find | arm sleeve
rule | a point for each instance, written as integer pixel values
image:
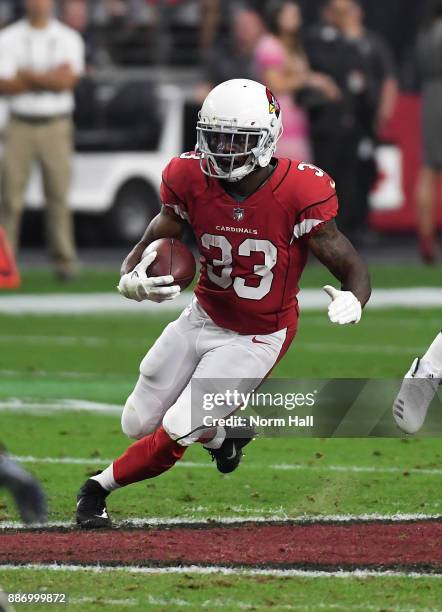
(171, 192)
(320, 204)
(311, 218)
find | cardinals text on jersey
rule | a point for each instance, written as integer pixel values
(253, 252)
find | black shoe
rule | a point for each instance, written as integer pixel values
(91, 506)
(228, 456)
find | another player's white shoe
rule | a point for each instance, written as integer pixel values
(415, 396)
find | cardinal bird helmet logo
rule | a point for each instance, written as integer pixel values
(274, 107)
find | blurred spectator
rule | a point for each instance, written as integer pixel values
(282, 65)
(377, 63)
(40, 62)
(216, 19)
(138, 32)
(210, 20)
(6, 12)
(344, 132)
(429, 54)
(181, 20)
(234, 58)
(123, 32)
(75, 14)
(29, 497)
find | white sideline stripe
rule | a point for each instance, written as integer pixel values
(229, 520)
(58, 340)
(235, 604)
(54, 374)
(63, 460)
(230, 603)
(226, 571)
(79, 303)
(101, 303)
(58, 405)
(358, 469)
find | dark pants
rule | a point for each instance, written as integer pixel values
(339, 155)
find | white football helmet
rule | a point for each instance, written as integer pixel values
(239, 126)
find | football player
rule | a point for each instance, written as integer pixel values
(255, 219)
(28, 495)
(418, 389)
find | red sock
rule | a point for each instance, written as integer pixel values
(147, 458)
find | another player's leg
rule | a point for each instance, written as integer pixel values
(29, 497)
(418, 389)
(164, 372)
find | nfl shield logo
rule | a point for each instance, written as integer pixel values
(238, 214)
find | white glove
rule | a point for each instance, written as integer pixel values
(136, 285)
(344, 308)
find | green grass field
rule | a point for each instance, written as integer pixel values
(117, 590)
(45, 359)
(41, 280)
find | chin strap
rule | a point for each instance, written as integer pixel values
(235, 179)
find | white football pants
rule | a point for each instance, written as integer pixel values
(192, 347)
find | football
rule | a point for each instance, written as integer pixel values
(173, 257)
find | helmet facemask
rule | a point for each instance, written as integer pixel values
(231, 153)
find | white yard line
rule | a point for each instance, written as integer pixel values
(86, 303)
(226, 571)
(103, 601)
(101, 303)
(72, 340)
(278, 467)
(233, 604)
(63, 460)
(54, 374)
(232, 520)
(56, 340)
(58, 405)
(165, 602)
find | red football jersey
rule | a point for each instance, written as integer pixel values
(253, 252)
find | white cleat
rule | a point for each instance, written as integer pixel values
(415, 396)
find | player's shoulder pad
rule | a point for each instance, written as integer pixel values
(182, 180)
(310, 184)
(180, 169)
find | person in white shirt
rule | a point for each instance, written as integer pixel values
(41, 61)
